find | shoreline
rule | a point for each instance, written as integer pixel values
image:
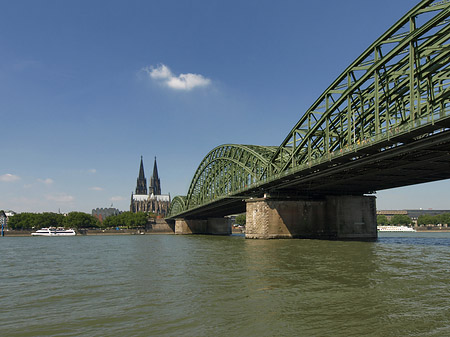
(134, 232)
(91, 233)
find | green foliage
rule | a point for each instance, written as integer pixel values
(23, 221)
(35, 220)
(400, 219)
(80, 220)
(240, 219)
(444, 218)
(426, 219)
(50, 219)
(382, 220)
(127, 219)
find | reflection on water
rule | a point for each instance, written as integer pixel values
(167, 285)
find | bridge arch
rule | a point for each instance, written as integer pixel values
(177, 205)
(399, 83)
(227, 169)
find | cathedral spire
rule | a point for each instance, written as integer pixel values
(141, 185)
(155, 184)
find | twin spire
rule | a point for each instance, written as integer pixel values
(155, 184)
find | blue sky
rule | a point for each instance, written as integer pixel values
(87, 87)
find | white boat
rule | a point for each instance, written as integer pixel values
(52, 231)
(395, 229)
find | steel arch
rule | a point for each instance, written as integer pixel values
(177, 205)
(400, 82)
(227, 169)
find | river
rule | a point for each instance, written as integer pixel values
(177, 285)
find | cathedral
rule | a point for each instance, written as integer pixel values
(150, 200)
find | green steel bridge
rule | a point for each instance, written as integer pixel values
(383, 123)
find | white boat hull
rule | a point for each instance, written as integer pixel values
(395, 229)
(54, 232)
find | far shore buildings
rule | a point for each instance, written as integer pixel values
(102, 213)
(412, 213)
(150, 200)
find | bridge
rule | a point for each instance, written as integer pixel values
(383, 123)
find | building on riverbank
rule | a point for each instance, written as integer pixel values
(151, 200)
(102, 213)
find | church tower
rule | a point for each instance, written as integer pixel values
(141, 186)
(155, 184)
(149, 200)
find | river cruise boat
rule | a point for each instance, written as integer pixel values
(52, 231)
(395, 229)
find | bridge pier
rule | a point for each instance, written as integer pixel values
(332, 218)
(214, 226)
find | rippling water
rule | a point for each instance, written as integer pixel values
(170, 285)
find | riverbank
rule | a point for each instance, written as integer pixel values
(95, 232)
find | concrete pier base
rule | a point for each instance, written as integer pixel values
(214, 226)
(219, 226)
(332, 218)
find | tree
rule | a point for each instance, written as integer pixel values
(80, 220)
(426, 219)
(444, 218)
(25, 221)
(127, 219)
(382, 220)
(400, 219)
(240, 219)
(48, 219)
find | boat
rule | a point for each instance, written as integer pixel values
(52, 231)
(395, 229)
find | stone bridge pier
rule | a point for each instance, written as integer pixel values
(333, 218)
(214, 226)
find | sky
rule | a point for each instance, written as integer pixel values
(88, 87)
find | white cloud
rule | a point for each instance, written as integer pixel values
(9, 177)
(186, 82)
(117, 198)
(92, 171)
(47, 181)
(96, 188)
(61, 198)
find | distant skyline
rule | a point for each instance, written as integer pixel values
(87, 87)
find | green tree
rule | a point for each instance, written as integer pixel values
(382, 220)
(127, 219)
(25, 221)
(240, 219)
(80, 220)
(400, 219)
(444, 218)
(50, 220)
(426, 219)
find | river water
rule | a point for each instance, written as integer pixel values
(170, 285)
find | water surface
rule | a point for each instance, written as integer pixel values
(170, 285)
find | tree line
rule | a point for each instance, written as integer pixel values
(40, 220)
(424, 219)
(76, 220)
(128, 220)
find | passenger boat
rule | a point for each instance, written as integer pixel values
(52, 231)
(395, 229)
